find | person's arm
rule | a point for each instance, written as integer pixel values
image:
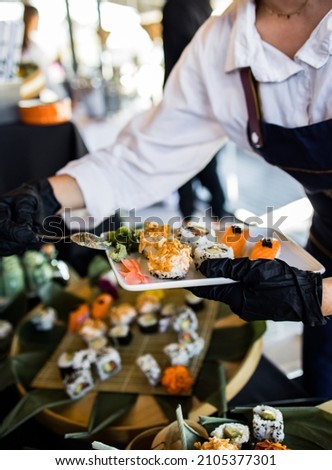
(327, 297)
(67, 191)
(268, 290)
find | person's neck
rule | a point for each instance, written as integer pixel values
(284, 9)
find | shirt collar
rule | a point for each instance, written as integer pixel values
(246, 49)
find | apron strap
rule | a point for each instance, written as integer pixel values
(251, 94)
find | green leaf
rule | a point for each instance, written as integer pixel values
(33, 340)
(210, 385)
(25, 366)
(188, 435)
(15, 309)
(100, 446)
(169, 403)
(7, 376)
(107, 408)
(29, 406)
(97, 267)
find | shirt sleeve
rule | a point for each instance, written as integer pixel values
(158, 150)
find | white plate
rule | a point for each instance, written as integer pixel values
(290, 252)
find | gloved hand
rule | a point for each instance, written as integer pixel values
(267, 290)
(22, 212)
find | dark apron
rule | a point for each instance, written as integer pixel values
(306, 154)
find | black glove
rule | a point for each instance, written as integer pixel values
(268, 290)
(22, 212)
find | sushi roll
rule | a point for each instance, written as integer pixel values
(192, 342)
(237, 433)
(211, 251)
(78, 383)
(177, 354)
(108, 362)
(153, 237)
(266, 248)
(120, 335)
(6, 329)
(148, 323)
(171, 261)
(235, 237)
(194, 234)
(148, 302)
(150, 368)
(122, 314)
(185, 320)
(167, 313)
(44, 318)
(194, 302)
(98, 343)
(92, 329)
(70, 361)
(268, 423)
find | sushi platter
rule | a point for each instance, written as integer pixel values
(290, 252)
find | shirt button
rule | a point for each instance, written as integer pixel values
(254, 137)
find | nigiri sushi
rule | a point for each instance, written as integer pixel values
(267, 248)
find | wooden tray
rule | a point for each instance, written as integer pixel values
(146, 413)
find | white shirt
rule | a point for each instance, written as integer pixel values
(203, 105)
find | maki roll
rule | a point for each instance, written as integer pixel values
(194, 234)
(177, 354)
(192, 342)
(266, 248)
(171, 261)
(122, 314)
(211, 251)
(6, 329)
(268, 423)
(70, 361)
(194, 302)
(44, 318)
(237, 433)
(185, 320)
(148, 302)
(166, 315)
(148, 323)
(78, 383)
(92, 329)
(108, 362)
(235, 237)
(120, 335)
(153, 237)
(150, 368)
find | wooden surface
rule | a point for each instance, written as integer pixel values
(146, 413)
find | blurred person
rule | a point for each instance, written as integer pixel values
(33, 53)
(181, 19)
(260, 75)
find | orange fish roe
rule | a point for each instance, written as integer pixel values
(177, 379)
(214, 443)
(269, 445)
